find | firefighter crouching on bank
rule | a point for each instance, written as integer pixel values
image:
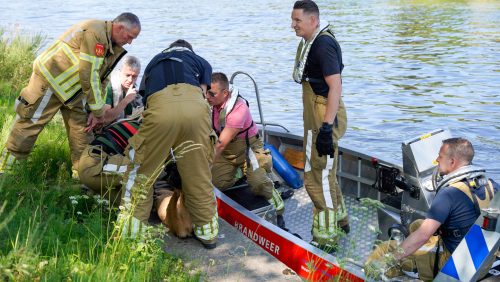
(103, 164)
(103, 161)
(462, 191)
(65, 77)
(239, 145)
(177, 119)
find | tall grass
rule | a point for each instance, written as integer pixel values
(49, 231)
(17, 53)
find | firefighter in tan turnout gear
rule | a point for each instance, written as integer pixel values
(318, 67)
(103, 163)
(176, 122)
(239, 145)
(68, 77)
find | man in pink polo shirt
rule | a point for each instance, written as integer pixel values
(239, 145)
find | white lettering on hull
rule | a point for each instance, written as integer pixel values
(254, 236)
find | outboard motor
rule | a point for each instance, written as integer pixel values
(419, 163)
(413, 188)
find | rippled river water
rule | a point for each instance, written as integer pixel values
(410, 66)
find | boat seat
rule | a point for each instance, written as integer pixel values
(243, 195)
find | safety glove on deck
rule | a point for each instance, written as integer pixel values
(324, 140)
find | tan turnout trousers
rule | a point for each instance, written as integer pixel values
(320, 173)
(33, 116)
(234, 157)
(102, 173)
(177, 117)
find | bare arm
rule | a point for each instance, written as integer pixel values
(334, 93)
(418, 238)
(225, 137)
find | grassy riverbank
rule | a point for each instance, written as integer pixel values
(49, 231)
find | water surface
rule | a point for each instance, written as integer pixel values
(410, 66)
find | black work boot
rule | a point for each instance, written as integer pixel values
(280, 221)
(346, 228)
(285, 194)
(209, 245)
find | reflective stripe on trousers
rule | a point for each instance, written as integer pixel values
(132, 228)
(43, 104)
(209, 231)
(253, 160)
(6, 160)
(277, 201)
(324, 224)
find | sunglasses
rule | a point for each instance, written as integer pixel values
(213, 94)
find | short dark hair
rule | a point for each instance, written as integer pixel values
(308, 6)
(129, 20)
(221, 78)
(460, 148)
(181, 43)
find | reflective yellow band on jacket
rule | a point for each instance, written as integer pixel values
(72, 81)
(95, 81)
(66, 84)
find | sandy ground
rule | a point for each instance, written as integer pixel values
(236, 258)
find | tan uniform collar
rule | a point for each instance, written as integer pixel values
(112, 47)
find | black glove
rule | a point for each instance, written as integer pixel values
(324, 141)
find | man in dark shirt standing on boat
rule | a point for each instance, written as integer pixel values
(176, 125)
(66, 77)
(318, 67)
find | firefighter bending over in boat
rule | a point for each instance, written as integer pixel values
(239, 145)
(70, 73)
(176, 117)
(103, 163)
(122, 99)
(462, 190)
(318, 67)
